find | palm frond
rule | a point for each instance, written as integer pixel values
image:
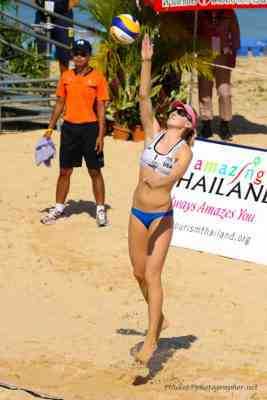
(173, 52)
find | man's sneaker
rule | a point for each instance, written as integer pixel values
(205, 130)
(224, 131)
(101, 217)
(51, 217)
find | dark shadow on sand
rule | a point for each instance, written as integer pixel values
(241, 125)
(76, 207)
(165, 350)
(133, 332)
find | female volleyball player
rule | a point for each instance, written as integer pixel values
(166, 157)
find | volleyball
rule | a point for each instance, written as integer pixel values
(124, 29)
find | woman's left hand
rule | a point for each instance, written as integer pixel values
(147, 48)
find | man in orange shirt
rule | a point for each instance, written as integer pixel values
(80, 93)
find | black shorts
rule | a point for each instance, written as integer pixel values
(77, 142)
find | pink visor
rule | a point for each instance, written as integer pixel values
(188, 109)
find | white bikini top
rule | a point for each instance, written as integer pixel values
(161, 163)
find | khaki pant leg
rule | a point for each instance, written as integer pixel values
(205, 87)
(223, 86)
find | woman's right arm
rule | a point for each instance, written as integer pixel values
(156, 180)
(149, 122)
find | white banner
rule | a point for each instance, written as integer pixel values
(220, 205)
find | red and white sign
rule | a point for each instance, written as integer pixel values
(185, 5)
(220, 205)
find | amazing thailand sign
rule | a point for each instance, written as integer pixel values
(183, 5)
(220, 205)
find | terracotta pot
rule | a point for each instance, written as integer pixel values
(138, 134)
(120, 132)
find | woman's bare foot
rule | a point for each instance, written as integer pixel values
(146, 352)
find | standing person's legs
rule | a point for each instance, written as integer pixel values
(223, 86)
(63, 34)
(62, 190)
(63, 185)
(40, 19)
(94, 162)
(70, 156)
(205, 87)
(98, 186)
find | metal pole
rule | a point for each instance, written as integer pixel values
(26, 118)
(41, 37)
(36, 7)
(48, 5)
(13, 46)
(15, 81)
(20, 90)
(21, 101)
(9, 73)
(190, 94)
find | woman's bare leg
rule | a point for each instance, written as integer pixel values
(137, 243)
(138, 247)
(159, 240)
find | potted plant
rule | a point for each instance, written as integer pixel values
(138, 134)
(121, 109)
(123, 70)
(121, 64)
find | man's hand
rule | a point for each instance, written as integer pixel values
(48, 133)
(99, 144)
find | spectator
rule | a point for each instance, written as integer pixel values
(219, 31)
(81, 94)
(62, 32)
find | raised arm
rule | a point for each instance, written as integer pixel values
(149, 122)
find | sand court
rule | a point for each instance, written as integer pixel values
(72, 312)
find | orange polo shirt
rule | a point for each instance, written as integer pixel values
(80, 93)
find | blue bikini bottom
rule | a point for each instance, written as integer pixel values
(148, 217)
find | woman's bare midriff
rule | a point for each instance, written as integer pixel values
(151, 199)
